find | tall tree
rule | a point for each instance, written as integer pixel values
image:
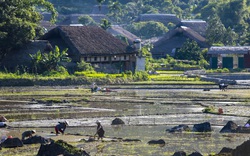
(148, 30)
(215, 31)
(115, 10)
(86, 20)
(19, 22)
(189, 51)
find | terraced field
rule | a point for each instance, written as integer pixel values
(147, 110)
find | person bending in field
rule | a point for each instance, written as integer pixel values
(100, 131)
(61, 127)
(28, 134)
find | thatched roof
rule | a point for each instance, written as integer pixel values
(163, 18)
(118, 30)
(175, 39)
(87, 41)
(199, 26)
(229, 50)
(103, 10)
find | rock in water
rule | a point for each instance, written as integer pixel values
(117, 121)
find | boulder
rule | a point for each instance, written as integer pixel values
(159, 142)
(195, 154)
(35, 140)
(180, 153)
(225, 150)
(230, 127)
(60, 148)
(179, 128)
(12, 142)
(202, 127)
(117, 121)
(242, 149)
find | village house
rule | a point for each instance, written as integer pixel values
(117, 30)
(230, 57)
(174, 39)
(94, 45)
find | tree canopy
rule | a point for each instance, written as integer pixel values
(19, 22)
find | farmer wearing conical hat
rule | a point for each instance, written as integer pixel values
(28, 134)
(61, 126)
(100, 131)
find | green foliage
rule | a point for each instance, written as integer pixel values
(219, 70)
(115, 10)
(69, 148)
(141, 76)
(148, 29)
(60, 72)
(163, 77)
(84, 66)
(86, 20)
(215, 31)
(189, 51)
(49, 62)
(105, 24)
(19, 22)
(210, 109)
(122, 38)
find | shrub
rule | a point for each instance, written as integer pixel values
(141, 76)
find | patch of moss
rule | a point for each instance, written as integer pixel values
(210, 109)
(69, 148)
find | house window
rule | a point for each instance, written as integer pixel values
(105, 58)
(85, 59)
(95, 58)
(125, 57)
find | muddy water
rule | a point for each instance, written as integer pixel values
(147, 114)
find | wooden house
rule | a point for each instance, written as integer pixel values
(94, 45)
(174, 39)
(229, 57)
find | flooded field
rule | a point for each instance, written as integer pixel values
(147, 113)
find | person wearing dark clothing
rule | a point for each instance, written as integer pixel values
(60, 127)
(28, 134)
(100, 131)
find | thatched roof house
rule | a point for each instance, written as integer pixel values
(199, 26)
(91, 44)
(118, 30)
(163, 18)
(229, 57)
(174, 39)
